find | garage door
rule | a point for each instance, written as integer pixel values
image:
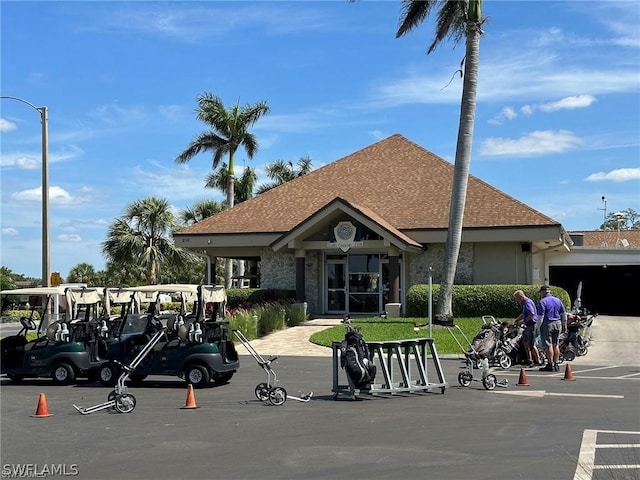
(611, 290)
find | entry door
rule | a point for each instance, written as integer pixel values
(336, 283)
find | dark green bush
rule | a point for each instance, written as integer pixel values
(248, 297)
(478, 300)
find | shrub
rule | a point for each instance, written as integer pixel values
(14, 315)
(271, 317)
(478, 300)
(248, 297)
(295, 314)
(243, 320)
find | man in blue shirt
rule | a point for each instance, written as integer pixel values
(553, 320)
(528, 317)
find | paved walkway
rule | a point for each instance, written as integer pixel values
(294, 341)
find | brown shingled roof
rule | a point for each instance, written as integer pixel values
(609, 238)
(405, 184)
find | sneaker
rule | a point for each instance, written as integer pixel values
(556, 367)
(547, 368)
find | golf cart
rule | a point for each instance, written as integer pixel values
(118, 297)
(193, 347)
(55, 352)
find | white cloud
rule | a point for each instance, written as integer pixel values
(9, 232)
(507, 113)
(57, 195)
(69, 238)
(527, 110)
(28, 163)
(6, 125)
(579, 101)
(534, 143)
(617, 175)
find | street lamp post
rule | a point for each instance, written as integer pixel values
(46, 278)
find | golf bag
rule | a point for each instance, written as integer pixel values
(355, 360)
(484, 343)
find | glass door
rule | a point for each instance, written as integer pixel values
(336, 284)
(364, 284)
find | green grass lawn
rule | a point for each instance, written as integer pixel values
(376, 329)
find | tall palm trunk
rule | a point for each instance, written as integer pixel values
(444, 310)
(228, 264)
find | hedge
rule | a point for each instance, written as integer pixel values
(249, 297)
(478, 300)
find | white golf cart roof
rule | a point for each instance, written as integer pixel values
(188, 292)
(213, 293)
(34, 291)
(83, 295)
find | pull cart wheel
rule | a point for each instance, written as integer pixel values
(504, 360)
(465, 378)
(489, 381)
(262, 392)
(277, 396)
(125, 403)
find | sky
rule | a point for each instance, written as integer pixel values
(557, 124)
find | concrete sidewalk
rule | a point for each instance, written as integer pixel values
(613, 340)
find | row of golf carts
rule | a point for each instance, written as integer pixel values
(78, 336)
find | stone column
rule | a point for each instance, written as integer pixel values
(394, 275)
(300, 276)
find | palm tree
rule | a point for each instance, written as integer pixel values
(82, 273)
(142, 236)
(282, 171)
(243, 186)
(455, 20)
(200, 211)
(229, 131)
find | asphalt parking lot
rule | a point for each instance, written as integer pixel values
(583, 428)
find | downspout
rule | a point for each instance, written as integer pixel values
(550, 247)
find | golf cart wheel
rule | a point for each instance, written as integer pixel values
(465, 378)
(490, 381)
(197, 375)
(125, 403)
(262, 392)
(108, 374)
(277, 396)
(63, 374)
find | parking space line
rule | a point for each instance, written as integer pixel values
(586, 395)
(586, 458)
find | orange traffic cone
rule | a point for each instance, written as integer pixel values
(191, 399)
(522, 381)
(42, 410)
(568, 373)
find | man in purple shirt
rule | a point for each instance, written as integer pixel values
(553, 320)
(528, 317)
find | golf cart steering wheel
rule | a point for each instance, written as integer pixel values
(27, 323)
